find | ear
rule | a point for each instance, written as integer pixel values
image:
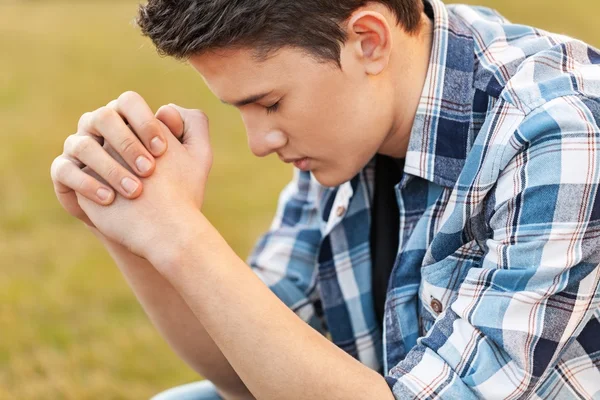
(370, 38)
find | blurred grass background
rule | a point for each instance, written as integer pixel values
(69, 326)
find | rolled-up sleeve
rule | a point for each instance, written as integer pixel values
(514, 318)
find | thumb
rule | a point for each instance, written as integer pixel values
(172, 119)
(194, 131)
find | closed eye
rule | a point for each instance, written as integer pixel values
(272, 108)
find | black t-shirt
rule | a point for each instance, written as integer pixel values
(385, 220)
(384, 227)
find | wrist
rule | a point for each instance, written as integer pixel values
(173, 247)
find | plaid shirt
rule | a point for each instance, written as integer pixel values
(495, 289)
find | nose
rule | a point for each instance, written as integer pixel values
(264, 143)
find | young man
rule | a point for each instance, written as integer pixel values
(488, 250)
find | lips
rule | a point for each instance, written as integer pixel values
(301, 163)
(290, 160)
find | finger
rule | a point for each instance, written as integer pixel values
(95, 157)
(70, 203)
(68, 179)
(133, 108)
(195, 132)
(172, 119)
(68, 200)
(107, 123)
(67, 145)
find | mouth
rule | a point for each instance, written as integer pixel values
(300, 163)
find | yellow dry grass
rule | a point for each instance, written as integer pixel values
(69, 326)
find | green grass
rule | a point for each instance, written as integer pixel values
(69, 326)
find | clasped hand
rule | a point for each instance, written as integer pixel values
(116, 174)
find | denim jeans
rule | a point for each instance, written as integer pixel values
(203, 390)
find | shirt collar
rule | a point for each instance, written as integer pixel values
(439, 139)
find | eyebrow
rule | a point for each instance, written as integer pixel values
(248, 100)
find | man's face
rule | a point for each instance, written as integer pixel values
(332, 120)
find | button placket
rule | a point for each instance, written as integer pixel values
(340, 207)
(402, 211)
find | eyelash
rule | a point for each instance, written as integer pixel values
(272, 108)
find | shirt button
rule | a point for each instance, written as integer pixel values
(436, 306)
(340, 211)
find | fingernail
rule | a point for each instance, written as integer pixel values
(103, 194)
(129, 185)
(143, 164)
(157, 145)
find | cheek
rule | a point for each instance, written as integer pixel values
(331, 130)
(334, 120)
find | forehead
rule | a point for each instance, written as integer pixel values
(237, 72)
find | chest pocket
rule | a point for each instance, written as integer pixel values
(441, 280)
(435, 262)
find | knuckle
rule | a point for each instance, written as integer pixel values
(83, 120)
(127, 97)
(128, 145)
(102, 115)
(150, 128)
(84, 185)
(54, 168)
(113, 174)
(68, 145)
(80, 145)
(59, 169)
(112, 104)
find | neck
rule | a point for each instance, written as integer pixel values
(409, 75)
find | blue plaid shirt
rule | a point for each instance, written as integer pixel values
(495, 289)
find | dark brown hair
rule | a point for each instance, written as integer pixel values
(182, 28)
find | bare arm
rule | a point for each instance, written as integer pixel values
(176, 322)
(275, 353)
(117, 144)
(278, 356)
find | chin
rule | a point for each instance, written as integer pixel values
(331, 178)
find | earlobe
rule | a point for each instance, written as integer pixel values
(372, 37)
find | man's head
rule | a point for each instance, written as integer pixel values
(339, 78)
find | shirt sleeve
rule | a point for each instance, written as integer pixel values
(516, 316)
(285, 257)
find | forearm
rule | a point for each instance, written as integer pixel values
(175, 321)
(275, 353)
